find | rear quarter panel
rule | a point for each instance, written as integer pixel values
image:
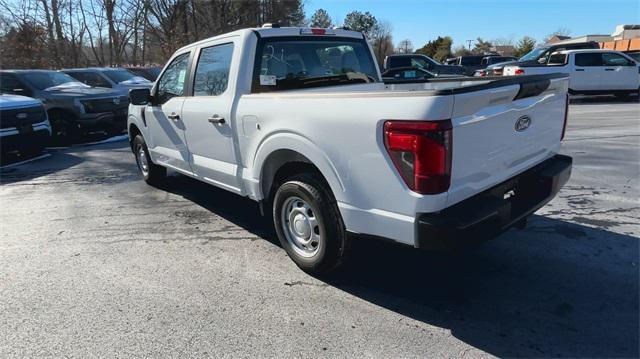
(341, 133)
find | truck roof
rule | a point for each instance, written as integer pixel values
(279, 32)
(573, 51)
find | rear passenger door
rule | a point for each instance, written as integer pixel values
(587, 72)
(207, 116)
(620, 73)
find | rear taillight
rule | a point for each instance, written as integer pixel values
(566, 117)
(421, 152)
(519, 72)
(482, 73)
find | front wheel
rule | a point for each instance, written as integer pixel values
(152, 173)
(309, 225)
(64, 129)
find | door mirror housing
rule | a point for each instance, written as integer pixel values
(139, 96)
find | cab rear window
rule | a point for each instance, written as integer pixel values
(299, 62)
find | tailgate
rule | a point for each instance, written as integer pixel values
(499, 132)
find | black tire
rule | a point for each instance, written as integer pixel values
(154, 174)
(64, 129)
(333, 244)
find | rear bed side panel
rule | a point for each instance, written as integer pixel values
(347, 129)
(487, 148)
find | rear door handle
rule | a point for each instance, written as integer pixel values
(215, 119)
(609, 69)
(173, 116)
(579, 69)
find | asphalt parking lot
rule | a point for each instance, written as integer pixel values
(93, 262)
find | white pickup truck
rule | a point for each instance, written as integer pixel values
(299, 120)
(590, 71)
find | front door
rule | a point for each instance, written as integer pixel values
(620, 73)
(207, 117)
(166, 141)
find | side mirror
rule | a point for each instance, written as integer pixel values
(139, 96)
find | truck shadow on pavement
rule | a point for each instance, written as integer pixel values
(553, 289)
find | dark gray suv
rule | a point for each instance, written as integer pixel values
(74, 108)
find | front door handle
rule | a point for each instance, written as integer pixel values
(215, 119)
(174, 116)
(609, 69)
(579, 69)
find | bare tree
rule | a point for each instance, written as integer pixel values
(405, 47)
(382, 41)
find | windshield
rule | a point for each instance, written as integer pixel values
(119, 76)
(291, 64)
(470, 60)
(44, 80)
(534, 54)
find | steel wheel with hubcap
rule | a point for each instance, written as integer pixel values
(152, 173)
(143, 164)
(301, 227)
(309, 224)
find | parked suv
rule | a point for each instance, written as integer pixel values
(73, 107)
(119, 79)
(24, 126)
(422, 62)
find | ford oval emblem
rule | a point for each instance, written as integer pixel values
(116, 101)
(523, 123)
(21, 116)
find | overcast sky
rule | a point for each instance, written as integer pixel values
(421, 21)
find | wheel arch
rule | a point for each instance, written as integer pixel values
(289, 155)
(133, 131)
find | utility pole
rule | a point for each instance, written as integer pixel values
(470, 41)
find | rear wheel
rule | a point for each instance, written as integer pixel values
(309, 224)
(153, 174)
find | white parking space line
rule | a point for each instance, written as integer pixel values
(108, 140)
(26, 161)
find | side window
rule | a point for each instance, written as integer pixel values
(171, 83)
(613, 59)
(588, 59)
(557, 59)
(10, 84)
(420, 62)
(212, 70)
